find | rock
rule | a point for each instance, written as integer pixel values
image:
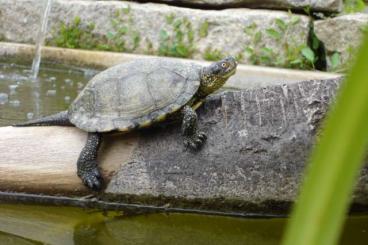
(341, 37)
(258, 143)
(319, 5)
(163, 30)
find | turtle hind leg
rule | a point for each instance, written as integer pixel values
(87, 168)
(193, 138)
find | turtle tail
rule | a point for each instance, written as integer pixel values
(58, 119)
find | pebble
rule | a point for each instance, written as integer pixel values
(51, 92)
(30, 115)
(3, 98)
(14, 103)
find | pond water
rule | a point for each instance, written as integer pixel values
(22, 99)
(22, 224)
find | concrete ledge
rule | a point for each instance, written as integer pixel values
(246, 77)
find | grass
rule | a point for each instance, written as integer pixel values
(318, 216)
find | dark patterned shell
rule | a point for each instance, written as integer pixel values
(134, 94)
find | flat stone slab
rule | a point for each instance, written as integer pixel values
(257, 148)
(253, 36)
(341, 36)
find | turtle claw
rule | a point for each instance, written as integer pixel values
(196, 141)
(92, 179)
(202, 136)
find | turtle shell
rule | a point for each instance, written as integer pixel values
(134, 94)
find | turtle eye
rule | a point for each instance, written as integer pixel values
(224, 65)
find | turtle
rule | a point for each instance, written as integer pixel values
(135, 95)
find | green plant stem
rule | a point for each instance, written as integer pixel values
(321, 208)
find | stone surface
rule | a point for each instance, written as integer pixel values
(204, 33)
(317, 5)
(246, 77)
(341, 37)
(258, 142)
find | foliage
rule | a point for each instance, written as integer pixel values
(179, 40)
(212, 54)
(203, 29)
(124, 38)
(320, 210)
(353, 6)
(76, 34)
(335, 61)
(297, 55)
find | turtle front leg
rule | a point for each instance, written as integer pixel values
(87, 168)
(193, 138)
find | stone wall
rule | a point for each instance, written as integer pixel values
(253, 36)
(261, 37)
(341, 37)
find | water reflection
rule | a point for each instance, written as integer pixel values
(24, 224)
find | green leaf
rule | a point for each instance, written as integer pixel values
(353, 6)
(164, 35)
(308, 53)
(323, 203)
(315, 42)
(170, 18)
(335, 60)
(364, 29)
(295, 20)
(110, 35)
(77, 21)
(203, 29)
(258, 37)
(249, 50)
(127, 10)
(281, 24)
(250, 29)
(295, 62)
(267, 51)
(273, 33)
(182, 50)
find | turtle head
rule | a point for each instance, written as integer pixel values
(214, 76)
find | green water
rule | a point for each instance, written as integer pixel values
(21, 224)
(22, 99)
